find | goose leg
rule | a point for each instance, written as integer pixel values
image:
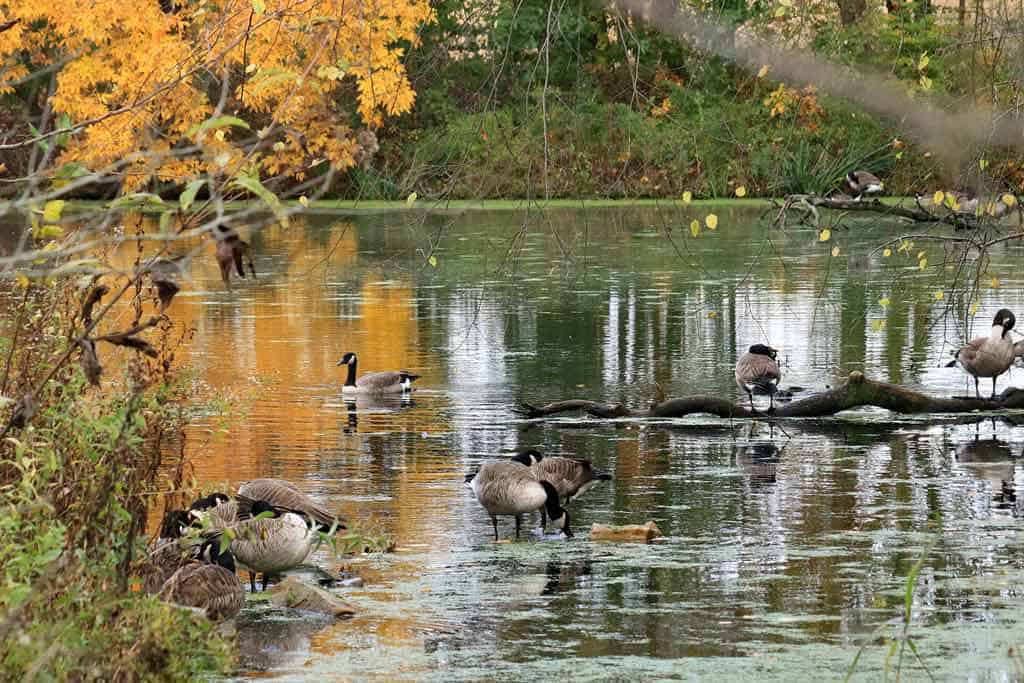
(265, 578)
(993, 387)
(519, 521)
(494, 520)
(977, 393)
(252, 581)
(750, 395)
(543, 519)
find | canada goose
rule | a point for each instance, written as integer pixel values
(211, 586)
(167, 553)
(757, 370)
(221, 511)
(988, 356)
(571, 477)
(271, 544)
(863, 183)
(509, 487)
(388, 382)
(284, 497)
(215, 511)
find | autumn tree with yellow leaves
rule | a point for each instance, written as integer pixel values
(170, 90)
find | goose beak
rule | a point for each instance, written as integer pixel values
(340, 362)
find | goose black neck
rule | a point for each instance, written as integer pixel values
(551, 504)
(350, 381)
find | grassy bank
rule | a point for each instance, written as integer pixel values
(81, 465)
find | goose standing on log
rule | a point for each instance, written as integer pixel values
(511, 487)
(863, 183)
(388, 382)
(989, 356)
(757, 370)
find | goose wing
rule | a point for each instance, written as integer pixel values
(284, 497)
(385, 380)
(209, 587)
(758, 370)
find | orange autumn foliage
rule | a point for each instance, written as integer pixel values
(144, 74)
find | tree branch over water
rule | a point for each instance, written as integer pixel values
(857, 391)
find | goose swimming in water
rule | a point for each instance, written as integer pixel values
(863, 183)
(388, 382)
(511, 487)
(988, 356)
(757, 370)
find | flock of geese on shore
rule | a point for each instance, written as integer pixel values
(270, 526)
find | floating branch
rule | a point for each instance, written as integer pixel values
(809, 205)
(856, 392)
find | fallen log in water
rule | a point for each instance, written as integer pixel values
(856, 392)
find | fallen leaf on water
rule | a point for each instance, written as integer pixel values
(825, 235)
(695, 227)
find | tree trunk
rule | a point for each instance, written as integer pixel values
(850, 11)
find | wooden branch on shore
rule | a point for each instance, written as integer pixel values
(856, 392)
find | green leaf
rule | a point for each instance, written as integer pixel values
(189, 195)
(259, 6)
(136, 199)
(252, 184)
(165, 220)
(411, 199)
(50, 232)
(53, 210)
(268, 77)
(225, 542)
(216, 122)
(70, 171)
(432, 261)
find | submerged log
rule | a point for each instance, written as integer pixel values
(856, 392)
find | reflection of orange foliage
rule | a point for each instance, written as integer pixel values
(270, 348)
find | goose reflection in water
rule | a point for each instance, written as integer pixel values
(992, 461)
(275, 639)
(758, 462)
(371, 404)
(567, 576)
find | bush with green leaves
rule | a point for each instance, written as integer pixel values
(78, 470)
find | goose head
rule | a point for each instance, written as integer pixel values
(558, 515)
(348, 359)
(261, 506)
(174, 523)
(528, 457)
(197, 510)
(1005, 319)
(210, 552)
(763, 350)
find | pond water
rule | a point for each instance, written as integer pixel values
(786, 545)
